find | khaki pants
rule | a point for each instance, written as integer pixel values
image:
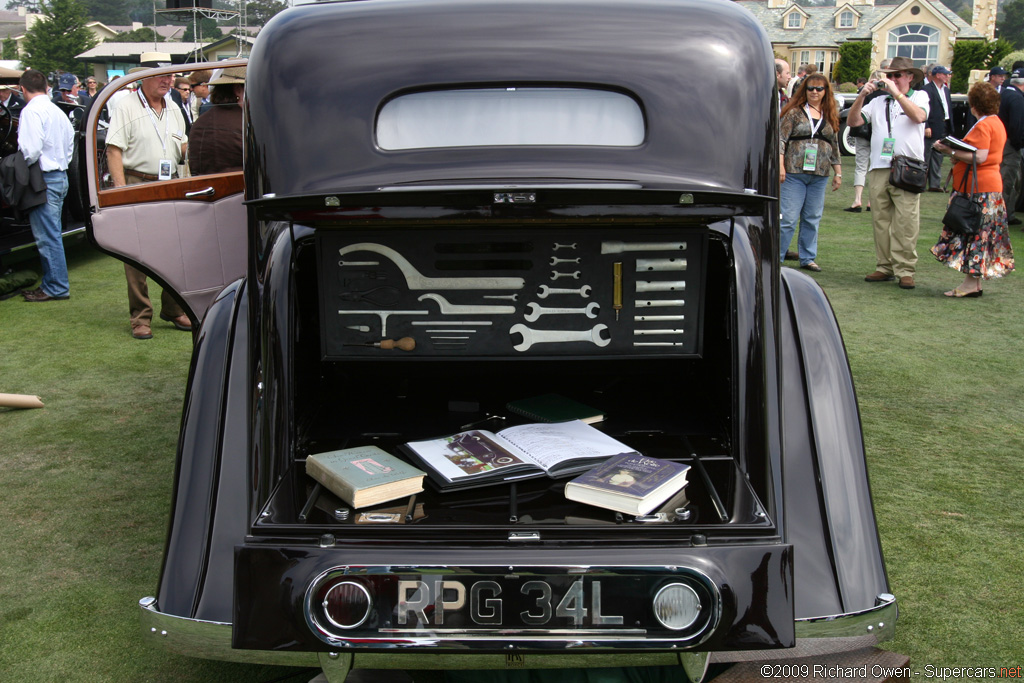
(140, 309)
(896, 217)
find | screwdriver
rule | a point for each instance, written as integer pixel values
(405, 344)
(617, 287)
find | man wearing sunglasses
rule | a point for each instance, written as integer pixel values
(897, 129)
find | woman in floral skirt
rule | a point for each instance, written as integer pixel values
(986, 254)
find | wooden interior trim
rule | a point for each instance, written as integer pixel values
(223, 184)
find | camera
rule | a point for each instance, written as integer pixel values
(880, 85)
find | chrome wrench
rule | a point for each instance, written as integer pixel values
(555, 275)
(640, 303)
(535, 311)
(617, 247)
(462, 309)
(656, 264)
(555, 260)
(532, 336)
(660, 286)
(546, 291)
(416, 280)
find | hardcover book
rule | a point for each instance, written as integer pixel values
(555, 408)
(365, 475)
(480, 458)
(631, 483)
(957, 143)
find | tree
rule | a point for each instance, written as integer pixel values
(10, 48)
(1011, 27)
(208, 31)
(975, 54)
(259, 12)
(854, 62)
(54, 41)
(139, 35)
(112, 12)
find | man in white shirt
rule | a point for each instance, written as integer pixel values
(45, 136)
(897, 129)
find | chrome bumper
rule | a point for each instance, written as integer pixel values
(815, 636)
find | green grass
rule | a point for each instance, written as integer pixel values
(86, 482)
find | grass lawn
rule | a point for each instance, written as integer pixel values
(86, 481)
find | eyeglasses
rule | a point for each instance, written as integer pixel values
(816, 88)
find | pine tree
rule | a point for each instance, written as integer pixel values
(54, 41)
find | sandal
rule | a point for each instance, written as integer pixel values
(812, 266)
(958, 293)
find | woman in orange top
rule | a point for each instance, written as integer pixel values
(986, 254)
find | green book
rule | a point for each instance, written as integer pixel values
(555, 408)
(365, 475)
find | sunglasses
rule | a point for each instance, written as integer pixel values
(816, 88)
(898, 74)
(184, 88)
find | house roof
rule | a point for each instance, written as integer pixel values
(820, 28)
(130, 52)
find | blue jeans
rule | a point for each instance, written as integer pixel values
(46, 229)
(802, 198)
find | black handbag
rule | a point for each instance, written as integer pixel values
(906, 173)
(963, 215)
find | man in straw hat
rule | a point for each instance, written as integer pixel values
(897, 129)
(146, 141)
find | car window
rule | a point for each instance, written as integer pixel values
(161, 128)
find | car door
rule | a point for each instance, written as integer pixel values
(187, 233)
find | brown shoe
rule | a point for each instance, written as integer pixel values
(907, 282)
(792, 256)
(142, 332)
(39, 295)
(180, 323)
(879, 276)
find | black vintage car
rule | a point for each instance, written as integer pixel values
(573, 197)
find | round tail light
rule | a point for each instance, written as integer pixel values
(677, 606)
(347, 604)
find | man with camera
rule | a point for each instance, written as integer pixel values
(897, 129)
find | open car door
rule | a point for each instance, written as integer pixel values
(187, 233)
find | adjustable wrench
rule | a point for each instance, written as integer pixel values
(546, 291)
(535, 311)
(531, 336)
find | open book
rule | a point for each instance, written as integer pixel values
(480, 458)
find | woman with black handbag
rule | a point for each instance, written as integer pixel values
(979, 249)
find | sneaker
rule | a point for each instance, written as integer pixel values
(879, 276)
(907, 282)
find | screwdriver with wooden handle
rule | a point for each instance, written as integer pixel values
(403, 344)
(617, 287)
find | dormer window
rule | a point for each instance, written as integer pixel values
(846, 19)
(793, 20)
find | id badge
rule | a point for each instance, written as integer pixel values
(811, 158)
(888, 146)
(166, 169)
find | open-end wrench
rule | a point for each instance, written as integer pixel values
(532, 336)
(563, 246)
(555, 260)
(535, 311)
(414, 279)
(555, 275)
(462, 309)
(546, 291)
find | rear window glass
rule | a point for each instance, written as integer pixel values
(510, 116)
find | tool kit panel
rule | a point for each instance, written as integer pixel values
(551, 293)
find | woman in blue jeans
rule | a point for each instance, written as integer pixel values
(809, 146)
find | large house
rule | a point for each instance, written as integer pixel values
(923, 30)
